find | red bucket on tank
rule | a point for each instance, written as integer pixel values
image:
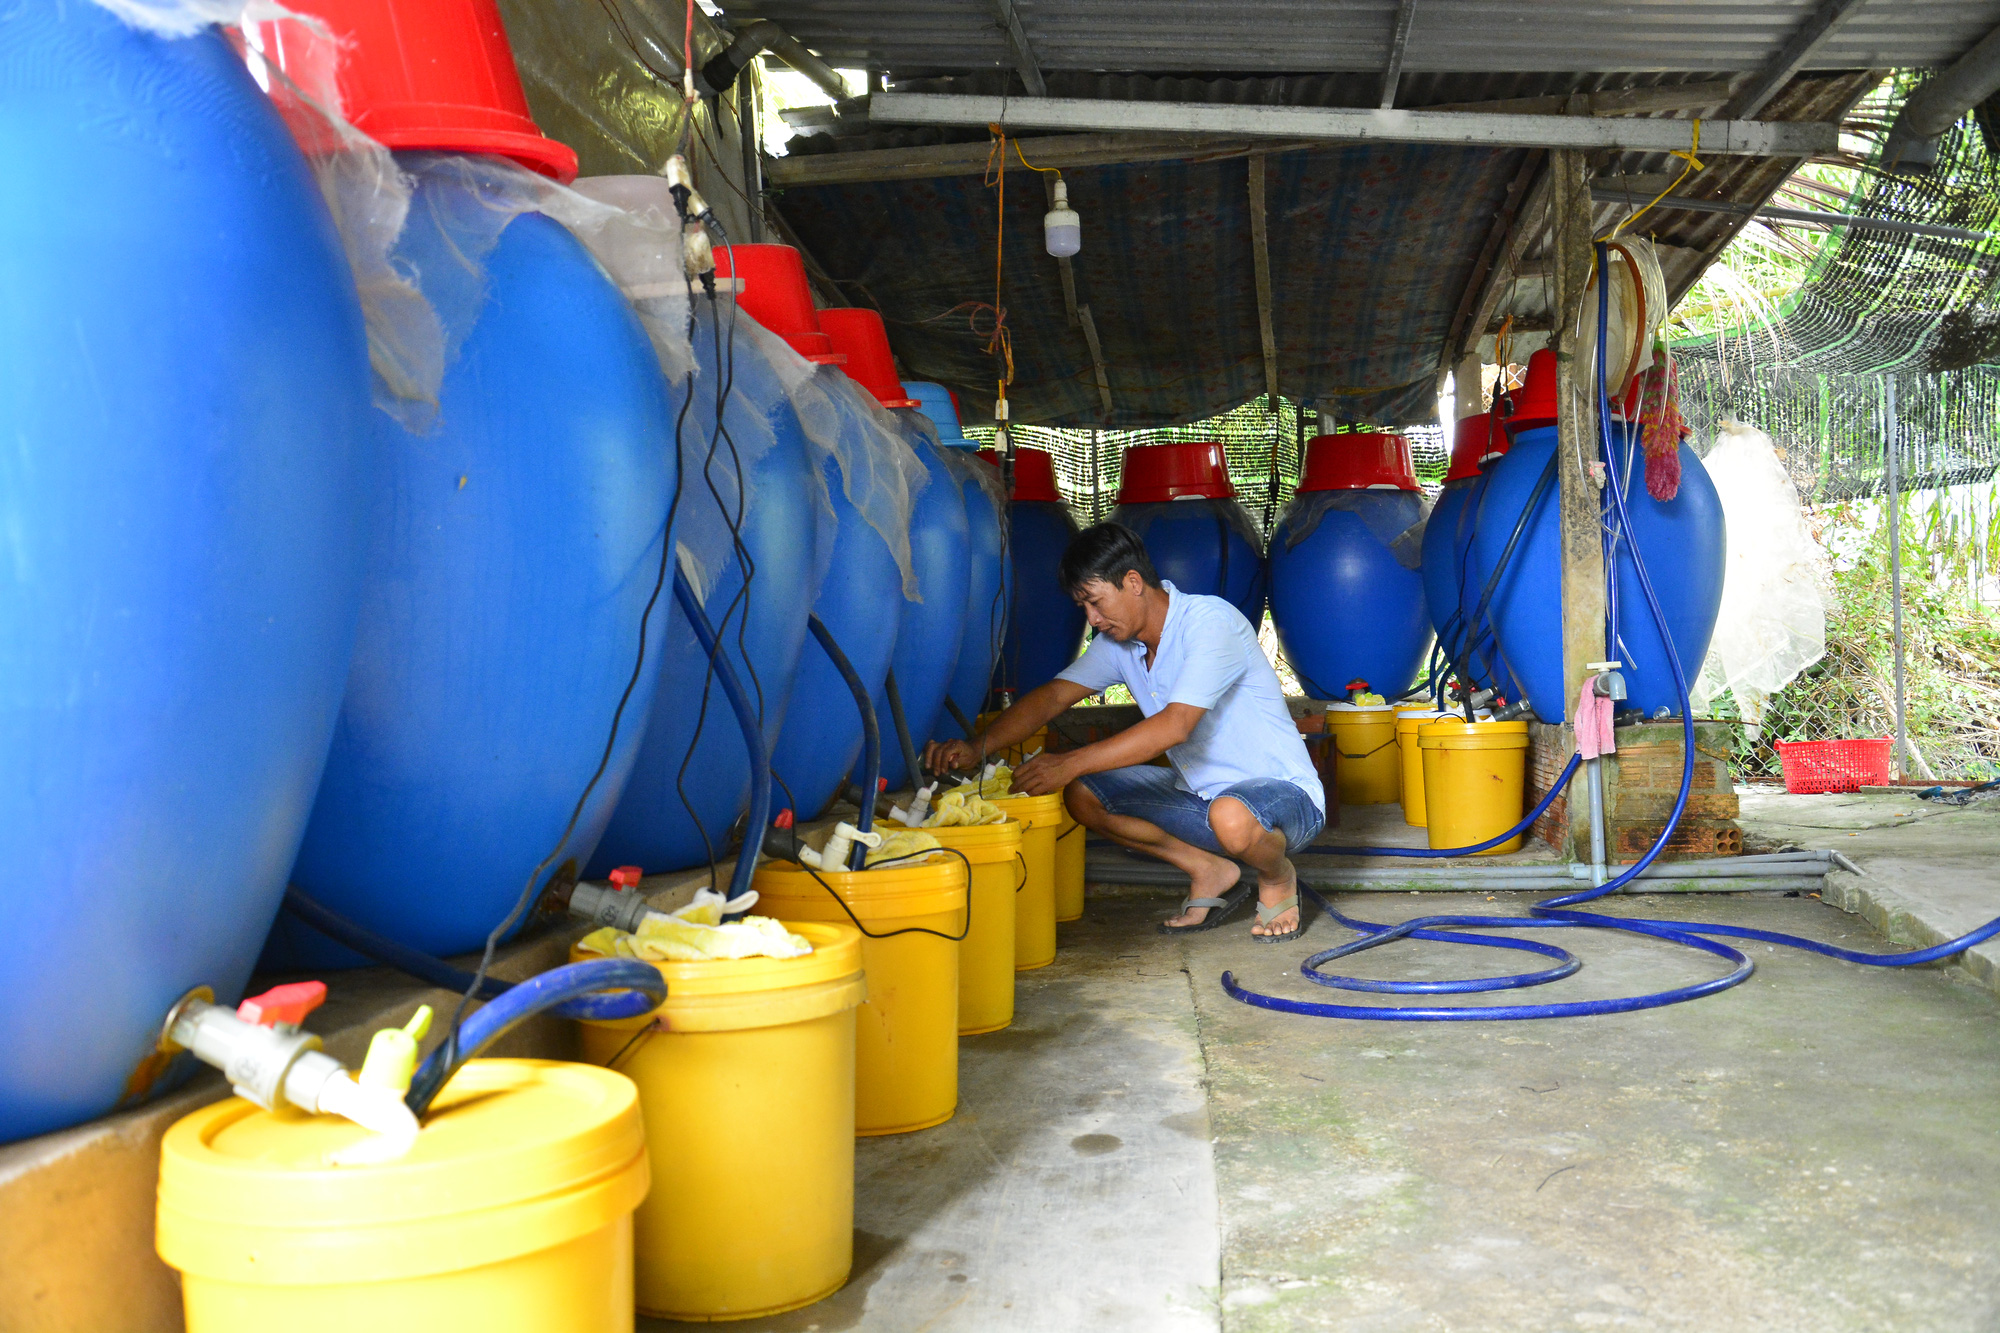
(1359, 461)
(773, 291)
(1156, 472)
(1534, 403)
(859, 334)
(1475, 442)
(434, 74)
(1034, 473)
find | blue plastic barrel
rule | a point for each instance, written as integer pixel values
(1044, 624)
(182, 495)
(988, 581)
(1448, 542)
(1682, 541)
(692, 780)
(1347, 596)
(927, 639)
(513, 552)
(1179, 500)
(861, 604)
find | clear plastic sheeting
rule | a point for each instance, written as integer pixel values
(185, 18)
(1772, 624)
(880, 473)
(1394, 518)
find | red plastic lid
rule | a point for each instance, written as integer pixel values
(433, 74)
(858, 332)
(1034, 473)
(1170, 471)
(1534, 403)
(1474, 442)
(1359, 461)
(774, 292)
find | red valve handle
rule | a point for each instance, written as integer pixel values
(288, 1004)
(627, 877)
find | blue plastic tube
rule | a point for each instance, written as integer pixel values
(753, 736)
(1558, 912)
(576, 990)
(871, 731)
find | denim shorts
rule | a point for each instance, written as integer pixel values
(1153, 794)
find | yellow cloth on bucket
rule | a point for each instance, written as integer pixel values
(962, 807)
(999, 781)
(696, 933)
(1367, 701)
(899, 844)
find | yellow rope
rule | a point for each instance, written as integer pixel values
(1693, 164)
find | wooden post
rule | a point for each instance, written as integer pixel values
(1579, 486)
(1579, 483)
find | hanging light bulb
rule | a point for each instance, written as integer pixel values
(1062, 229)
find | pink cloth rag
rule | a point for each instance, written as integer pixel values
(1593, 722)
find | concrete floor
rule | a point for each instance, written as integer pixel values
(1816, 1150)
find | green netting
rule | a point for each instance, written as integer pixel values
(1875, 305)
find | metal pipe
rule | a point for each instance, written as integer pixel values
(755, 38)
(1938, 105)
(1895, 572)
(1320, 877)
(1597, 850)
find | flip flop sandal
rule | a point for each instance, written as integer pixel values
(1266, 915)
(1218, 911)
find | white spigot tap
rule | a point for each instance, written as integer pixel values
(919, 810)
(834, 855)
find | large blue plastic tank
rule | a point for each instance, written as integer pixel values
(1448, 541)
(692, 780)
(928, 638)
(513, 552)
(988, 585)
(1347, 597)
(182, 494)
(861, 604)
(1682, 541)
(1045, 626)
(1178, 498)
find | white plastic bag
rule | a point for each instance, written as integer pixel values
(1773, 620)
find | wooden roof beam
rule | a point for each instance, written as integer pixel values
(1789, 59)
(1017, 46)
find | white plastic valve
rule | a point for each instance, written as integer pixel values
(834, 855)
(919, 809)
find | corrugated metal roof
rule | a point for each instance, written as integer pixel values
(1466, 36)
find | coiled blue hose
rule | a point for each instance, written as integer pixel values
(1557, 912)
(575, 990)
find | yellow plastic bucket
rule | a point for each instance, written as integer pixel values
(746, 1083)
(906, 1037)
(1370, 768)
(512, 1213)
(1411, 760)
(1474, 777)
(1070, 838)
(986, 955)
(1035, 904)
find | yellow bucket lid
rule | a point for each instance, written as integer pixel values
(729, 994)
(515, 1156)
(1033, 811)
(983, 844)
(915, 888)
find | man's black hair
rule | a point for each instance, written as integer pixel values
(1105, 551)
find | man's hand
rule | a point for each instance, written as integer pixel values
(1043, 774)
(947, 756)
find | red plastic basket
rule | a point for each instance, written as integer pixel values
(1823, 766)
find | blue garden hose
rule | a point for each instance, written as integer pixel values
(753, 738)
(1556, 912)
(576, 990)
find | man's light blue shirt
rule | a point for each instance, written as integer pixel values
(1209, 658)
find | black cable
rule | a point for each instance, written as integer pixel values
(906, 930)
(894, 698)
